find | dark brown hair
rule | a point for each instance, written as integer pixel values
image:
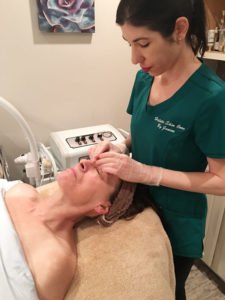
(141, 200)
(130, 200)
(161, 16)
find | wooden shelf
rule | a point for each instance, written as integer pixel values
(214, 55)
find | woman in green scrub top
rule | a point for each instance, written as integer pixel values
(178, 121)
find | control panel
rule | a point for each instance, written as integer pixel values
(90, 139)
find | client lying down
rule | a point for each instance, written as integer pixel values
(37, 244)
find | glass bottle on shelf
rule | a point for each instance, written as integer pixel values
(210, 39)
(216, 40)
(221, 46)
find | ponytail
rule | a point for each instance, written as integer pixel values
(197, 31)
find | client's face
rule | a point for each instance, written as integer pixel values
(86, 185)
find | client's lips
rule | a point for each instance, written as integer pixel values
(146, 70)
(74, 172)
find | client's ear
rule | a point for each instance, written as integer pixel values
(101, 209)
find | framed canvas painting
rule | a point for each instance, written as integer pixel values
(66, 15)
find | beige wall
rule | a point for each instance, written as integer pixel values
(61, 81)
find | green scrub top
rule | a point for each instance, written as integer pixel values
(179, 134)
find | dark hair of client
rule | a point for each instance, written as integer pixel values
(161, 16)
(129, 200)
(141, 200)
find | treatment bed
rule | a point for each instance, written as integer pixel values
(130, 260)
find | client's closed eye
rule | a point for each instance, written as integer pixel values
(99, 171)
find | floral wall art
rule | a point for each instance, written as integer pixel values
(66, 15)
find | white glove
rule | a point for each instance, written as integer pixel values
(128, 169)
(105, 147)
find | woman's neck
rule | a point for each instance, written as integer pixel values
(168, 83)
(186, 64)
(48, 189)
(54, 210)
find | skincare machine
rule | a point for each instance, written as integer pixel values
(66, 148)
(70, 146)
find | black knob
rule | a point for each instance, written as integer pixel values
(100, 136)
(91, 137)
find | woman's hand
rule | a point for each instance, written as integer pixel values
(128, 169)
(105, 147)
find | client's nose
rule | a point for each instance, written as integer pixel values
(86, 164)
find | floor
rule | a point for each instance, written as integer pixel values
(203, 284)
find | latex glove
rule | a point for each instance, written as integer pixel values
(128, 169)
(105, 147)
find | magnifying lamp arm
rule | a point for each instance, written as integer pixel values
(32, 166)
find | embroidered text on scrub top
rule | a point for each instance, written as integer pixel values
(165, 125)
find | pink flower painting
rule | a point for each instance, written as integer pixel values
(66, 15)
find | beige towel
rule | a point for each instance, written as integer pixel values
(131, 260)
